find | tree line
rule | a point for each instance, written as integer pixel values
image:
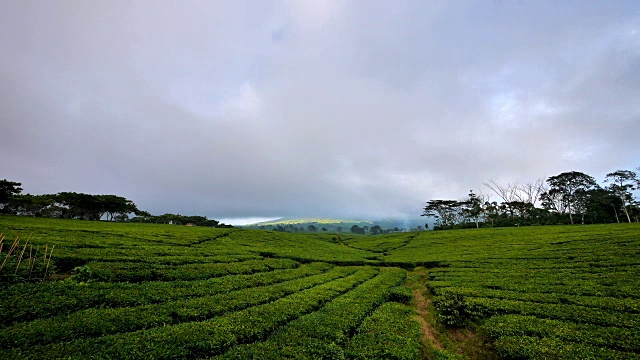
(72, 205)
(567, 198)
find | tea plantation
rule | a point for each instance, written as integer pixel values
(133, 291)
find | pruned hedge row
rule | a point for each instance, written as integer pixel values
(540, 312)
(401, 294)
(389, 333)
(603, 302)
(534, 348)
(139, 272)
(587, 281)
(82, 256)
(323, 334)
(457, 310)
(198, 339)
(28, 302)
(100, 322)
(627, 291)
(573, 313)
(621, 339)
(454, 310)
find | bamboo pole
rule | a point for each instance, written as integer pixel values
(34, 262)
(30, 252)
(13, 247)
(46, 270)
(21, 255)
(1, 243)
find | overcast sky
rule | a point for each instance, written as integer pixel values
(323, 108)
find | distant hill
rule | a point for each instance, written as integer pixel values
(340, 225)
(310, 221)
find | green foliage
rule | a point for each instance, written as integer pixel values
(20, 262)
(561, 292)
(446, 355)
(32, 301)
(8, 190)
(617, 338)
(138, 272)
(100, 322)
(83, 273)
(389, 333)
(534, 348)
(72, 205)
(455, 311)
(401, 294)
(203, 338)
(574, 313)
(328, 328)
(568, 198)
(381, 244)
(162, 291)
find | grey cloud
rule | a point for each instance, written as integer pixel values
(336, 109)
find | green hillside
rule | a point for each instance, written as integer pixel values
(130, 291)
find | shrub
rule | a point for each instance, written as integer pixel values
(401, 294)
(389, 333)
(454, 310)
(82, 273)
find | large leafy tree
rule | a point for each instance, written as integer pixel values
(602, 206)
(8, 189)
(518, 208)
(622, 183)
(115, 206)
(567, 185)
(490, 212)
(473, 207)
(446, 212)
(31, 205)
(72, 205)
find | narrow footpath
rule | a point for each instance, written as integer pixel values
(422, 306)
(424, 313)
(439, 342)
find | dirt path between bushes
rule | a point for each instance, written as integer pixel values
(423, 308)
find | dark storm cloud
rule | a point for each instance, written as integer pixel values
(313, 108)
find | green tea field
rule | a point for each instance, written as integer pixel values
(143, 291)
